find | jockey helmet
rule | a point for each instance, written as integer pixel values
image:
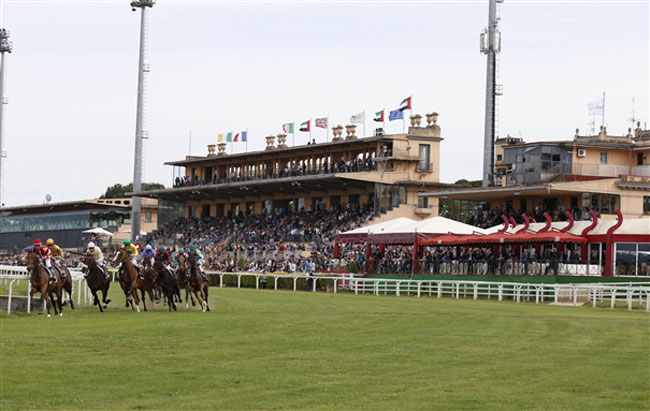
(49, 241)
(181, 251)
(127, 242)
(192, 247)
(148, 247)
(91, 245)
(37, 242)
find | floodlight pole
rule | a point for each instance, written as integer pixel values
(5, 48)
(136, 204)
(491, 46)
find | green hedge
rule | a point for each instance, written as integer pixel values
(285, 283)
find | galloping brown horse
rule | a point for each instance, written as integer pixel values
(183, 281)
(66, 281)
(197, 286)
(166, 281)
(149, 283)
(96, 281)
(39, 280)
(128, 279)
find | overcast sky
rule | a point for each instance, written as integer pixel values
(222, 66)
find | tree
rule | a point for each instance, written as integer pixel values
(118, 190)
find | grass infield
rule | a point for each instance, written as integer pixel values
(296, 350)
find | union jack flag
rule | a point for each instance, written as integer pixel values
(321, 122)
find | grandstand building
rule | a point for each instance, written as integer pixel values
(66, 221)
(603, 173)
(387, 171)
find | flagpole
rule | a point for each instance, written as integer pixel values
(603, 109)
(383, 117)
(309, 125)
(293, 133)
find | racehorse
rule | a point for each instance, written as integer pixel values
(197, 286)
(128, 279)
(40, 282)
(149, 283)
(96, 281)
(166, 281)
(66, 281)
(183, 281)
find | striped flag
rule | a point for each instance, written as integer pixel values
(304, 126)
(405, 104)
(287, 127)
(379, 116)
(229, 137)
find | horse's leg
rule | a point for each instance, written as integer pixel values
(205, 296)
(68, 289)
(59, 297)
(150, 292)
(97, 302)
(199, 299)
(107, 285)
(134, 294)
(144, 304)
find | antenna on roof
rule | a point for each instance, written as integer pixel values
(633, 119)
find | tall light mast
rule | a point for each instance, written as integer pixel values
(143, 68)
(491, 46)
(5, 48)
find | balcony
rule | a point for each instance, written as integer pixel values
(543, 171)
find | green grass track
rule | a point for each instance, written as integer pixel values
(296, 350)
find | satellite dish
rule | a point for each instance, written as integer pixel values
(48, 198)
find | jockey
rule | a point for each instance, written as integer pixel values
(132, 250)
(56, 254)
(149, 253)
(178, 255)
(98, 255)
(46, 255)
(198, 256)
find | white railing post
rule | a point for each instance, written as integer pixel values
(439, 289)
(575, 296)
(594, 298)
(475, 285)
(295, 279)
(397, 290)
(629, 300)
(29, 297)
(613, 299)
(500, 297)
(555, 295)
(336, 280)
(275, 283)
(257, 282)
(419, 283)
(220, 280)
(11, 290)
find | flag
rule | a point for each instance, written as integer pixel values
(396, 115)
(219, 137)
(321, 122)
(597, 108)
(379, 116)
(358, 118)
(236, 138)
(244, 136)
(405, 104)
(304, 126)
(287, 127)
(229, 137)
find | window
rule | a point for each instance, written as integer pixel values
(147, 217)
(646, 205)
(425, 155)
(499, 157)
(605, 203)
(632, 259)
(603, 157)
(423, 202)
(639, 159)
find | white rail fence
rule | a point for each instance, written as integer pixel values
(627, 293)
(15, 276)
